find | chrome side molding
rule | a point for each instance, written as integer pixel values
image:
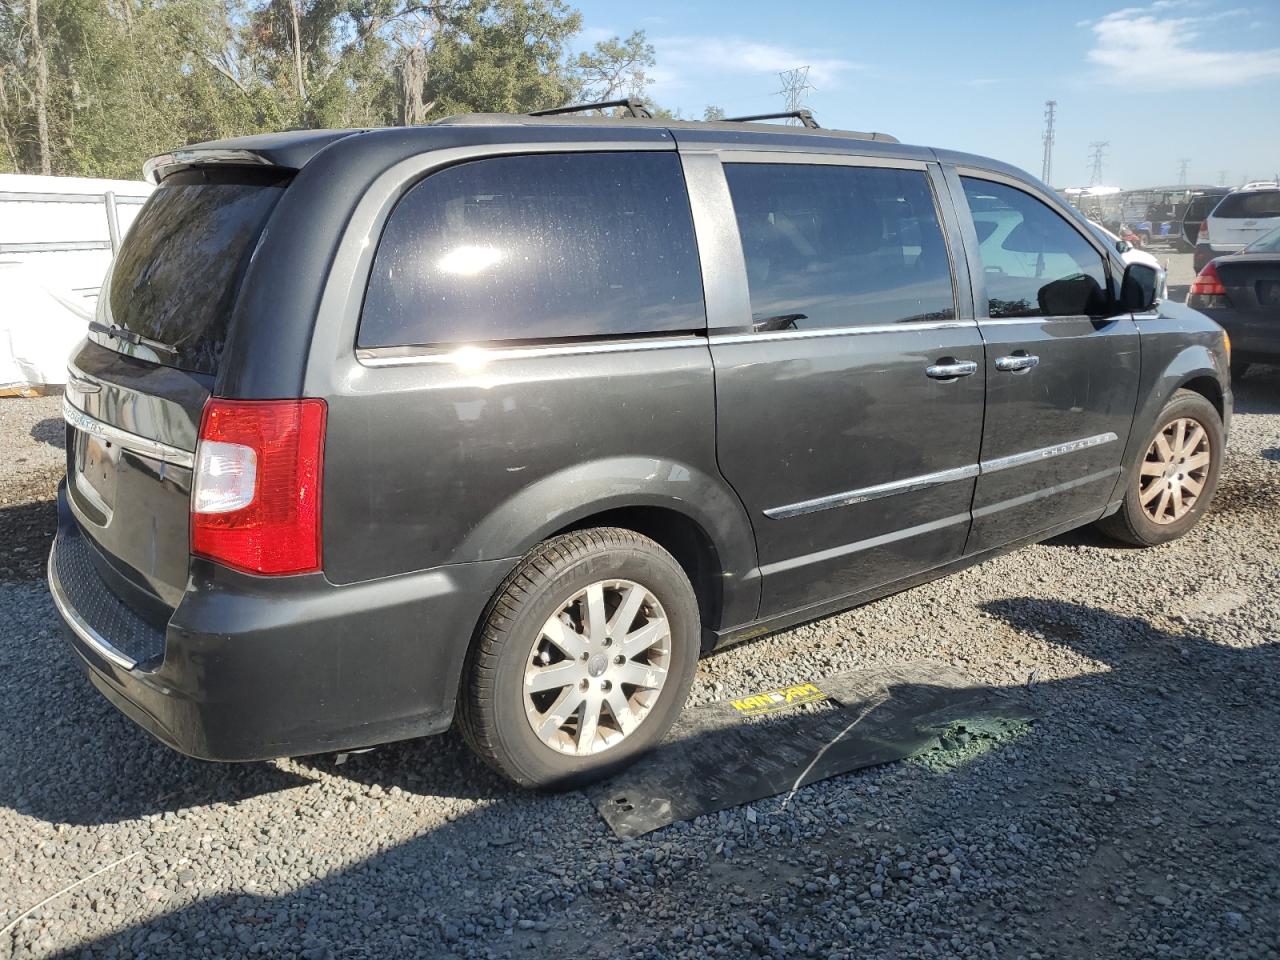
(850, 497)
(123, 438)
(924, 481)
(1045, 453)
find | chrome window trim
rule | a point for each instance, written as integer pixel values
(849, 498)
(722, 338)
(1046, 453)
(924, 481)
(77, 623)
(129, 441)
(466, 355)
(810, 157)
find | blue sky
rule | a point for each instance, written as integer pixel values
(1171, 79)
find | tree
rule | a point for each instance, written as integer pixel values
(713, 113)
(505, 56)
(614, 68)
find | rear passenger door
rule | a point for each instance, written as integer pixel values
(849, 389)
(1062, 378)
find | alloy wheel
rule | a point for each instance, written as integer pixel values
(597, 667)
(1174, 470)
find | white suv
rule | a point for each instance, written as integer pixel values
(1241, 218)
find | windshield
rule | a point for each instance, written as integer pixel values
(1267, 243)
(175, 280)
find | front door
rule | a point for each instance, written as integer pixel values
(1062, 379)
(849, 403)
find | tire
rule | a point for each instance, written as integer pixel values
(1134, 522)
(551, 592)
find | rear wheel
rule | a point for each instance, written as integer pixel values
(1170, 487)
(583, 661)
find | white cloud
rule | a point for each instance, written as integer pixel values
(1142, 48)
(681, 58)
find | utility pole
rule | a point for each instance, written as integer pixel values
(1046, 171)
(1183, 163)
(794, 85)
(1097, 149)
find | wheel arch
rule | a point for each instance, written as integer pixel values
(694, 516)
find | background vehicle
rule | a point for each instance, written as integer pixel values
(1193, 215)
(1241, 291)
(1131, 254)
(1239, 219)
(511, 417)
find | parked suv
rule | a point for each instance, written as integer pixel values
(1239, 219)
(508, 419)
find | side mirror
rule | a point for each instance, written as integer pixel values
(1123, 246)
(1139, 287)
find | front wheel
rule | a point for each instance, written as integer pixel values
(1170, 487)
(583, 661)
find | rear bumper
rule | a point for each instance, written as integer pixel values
(258, 667)
(1246, 343)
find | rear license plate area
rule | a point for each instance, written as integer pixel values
(96, 462)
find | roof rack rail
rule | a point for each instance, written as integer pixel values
(804, 116)
(630, 105)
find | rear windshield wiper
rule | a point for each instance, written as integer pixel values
(128, 336)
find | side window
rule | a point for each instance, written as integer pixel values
(839, 246)
(1034, 262)
(534, 248)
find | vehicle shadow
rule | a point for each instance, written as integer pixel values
(1129, 738)
(51, 430)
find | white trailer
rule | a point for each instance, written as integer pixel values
(57, 237)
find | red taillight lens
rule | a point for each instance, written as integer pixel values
(255, 496)
(1207, 284)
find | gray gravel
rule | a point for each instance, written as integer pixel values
(1139, 818)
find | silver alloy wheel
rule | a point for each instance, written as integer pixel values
(1174, 470)
(597, 667)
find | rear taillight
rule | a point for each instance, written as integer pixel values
(255, 496)
(1207, 283)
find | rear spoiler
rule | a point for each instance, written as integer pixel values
(157, 168)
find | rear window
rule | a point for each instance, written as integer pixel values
(534, 248)
(178, 272)
(1242, 206)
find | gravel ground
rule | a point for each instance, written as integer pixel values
(1140, 817)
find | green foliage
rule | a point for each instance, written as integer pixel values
(128, 79)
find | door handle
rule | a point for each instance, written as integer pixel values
(1018, 362)
(951, 370)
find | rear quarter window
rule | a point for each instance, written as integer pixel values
(180, 268)
(1242, 206)
(535, 248)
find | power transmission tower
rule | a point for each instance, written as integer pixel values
(1046, 171)
(1222, 178)
(1183, 163)
(795, 83)
(1097, 149)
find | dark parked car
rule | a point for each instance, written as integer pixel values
(1194, 215)
(1241, 291)
(507, 419)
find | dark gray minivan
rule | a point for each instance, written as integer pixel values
(509, 418)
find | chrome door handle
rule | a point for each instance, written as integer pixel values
(950, 371)
(1016, 363)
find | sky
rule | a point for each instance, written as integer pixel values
(1173, 79)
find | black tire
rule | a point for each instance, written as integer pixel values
(491, 708)
(1131, 524)
(1239, 369)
